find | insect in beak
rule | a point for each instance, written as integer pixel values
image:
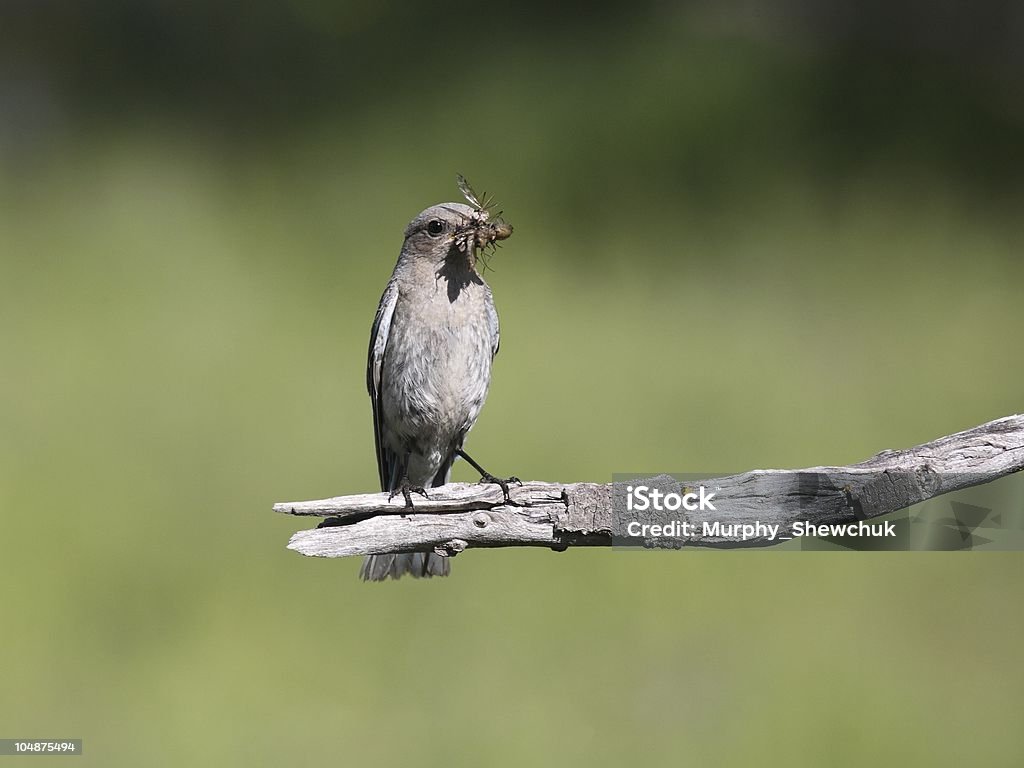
(481, 232)
(501, 231)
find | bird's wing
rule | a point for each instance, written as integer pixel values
(374, 365)
(492, 321)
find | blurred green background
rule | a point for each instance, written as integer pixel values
(744, 238)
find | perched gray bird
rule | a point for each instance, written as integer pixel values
(429, 366)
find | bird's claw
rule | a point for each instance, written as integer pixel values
(407, 491)
(503, 484)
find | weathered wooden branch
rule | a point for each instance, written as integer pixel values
(559, 515)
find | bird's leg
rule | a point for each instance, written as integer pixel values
(487, 477)
(406, 489)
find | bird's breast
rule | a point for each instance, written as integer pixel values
(437, 365)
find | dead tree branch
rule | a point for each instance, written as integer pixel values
(559, 515)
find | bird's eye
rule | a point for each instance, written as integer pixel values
(435, 227)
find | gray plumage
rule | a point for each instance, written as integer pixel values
(429, 368)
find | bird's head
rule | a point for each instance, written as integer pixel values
(455, 232)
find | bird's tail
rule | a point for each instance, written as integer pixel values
(416, 564)
(419, 565)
